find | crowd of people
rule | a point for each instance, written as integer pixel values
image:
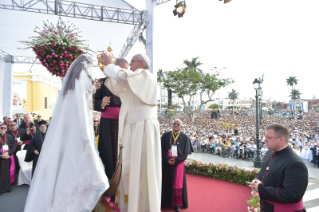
(234, 136)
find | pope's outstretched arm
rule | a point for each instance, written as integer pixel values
(116, 79)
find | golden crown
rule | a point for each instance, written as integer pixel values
(109, 53)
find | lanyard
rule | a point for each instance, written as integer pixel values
(175, 138)
(15, 135)
(5, 139)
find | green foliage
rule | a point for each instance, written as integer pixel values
(213, 106)
(295, 94)
(291, 81)
(231, 107)
(160, 75)
(169, 115)
(187, 83)
(254, 202)
(233, 94)
(221, 171)
(192, 65)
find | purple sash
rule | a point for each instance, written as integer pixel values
(178, 181)
(27, 142)
(280, 207)
(12, 169)
(111, 113)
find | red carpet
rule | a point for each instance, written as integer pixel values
(208, 194)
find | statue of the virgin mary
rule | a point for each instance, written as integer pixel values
(69, 175)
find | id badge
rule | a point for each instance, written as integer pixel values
(174, 151)
(5, 148)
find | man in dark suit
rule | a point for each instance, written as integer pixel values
(36, 122)
(283, 178)
(18, 120)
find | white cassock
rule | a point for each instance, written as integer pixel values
(140, 184)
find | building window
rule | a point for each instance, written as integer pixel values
(45, 103)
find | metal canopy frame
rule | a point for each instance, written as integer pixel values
(81, 11)
(17, 59)
(72, 9)
(162, 1)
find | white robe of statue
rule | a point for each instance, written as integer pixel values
(69, 176)
(140, 184)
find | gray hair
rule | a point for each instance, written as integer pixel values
(121, 60)
(180, 121)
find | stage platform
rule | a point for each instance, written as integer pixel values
(207, 194)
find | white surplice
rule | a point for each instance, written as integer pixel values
(140, 184)
(69, 176)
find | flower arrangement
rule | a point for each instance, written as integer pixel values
(57, 46)
(225, 172)
(254, 202)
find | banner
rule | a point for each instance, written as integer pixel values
(19, 96)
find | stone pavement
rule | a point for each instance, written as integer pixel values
(311, 197)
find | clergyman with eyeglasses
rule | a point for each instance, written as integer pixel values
(139, 133)
(283, 178)
(176, 146)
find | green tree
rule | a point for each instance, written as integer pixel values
(291, 81)
(209, 84)
(233, 95)
(188, 84)
(213, 106)
(192, 65)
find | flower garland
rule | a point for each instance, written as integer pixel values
(225, 172)
(57, 46)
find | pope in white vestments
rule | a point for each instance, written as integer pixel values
(140, 185)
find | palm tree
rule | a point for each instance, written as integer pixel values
(192, 65)
(160, 75)
(233, 95)
(291, 81)
(295, 94)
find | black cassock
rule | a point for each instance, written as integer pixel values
(108, 135)
(29, 137)
(18, 133)
(5, 164)
(184, 148)
(35, 144)
(284, 178)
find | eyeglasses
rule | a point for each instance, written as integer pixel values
(132, 61)
(269, 138)
(96, 121)
(176, 124)
(3, 128)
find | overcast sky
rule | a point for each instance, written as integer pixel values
(247, 37)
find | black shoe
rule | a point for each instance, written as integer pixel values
(178, 209)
